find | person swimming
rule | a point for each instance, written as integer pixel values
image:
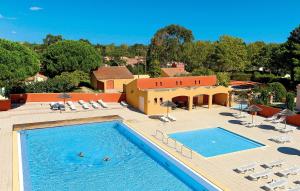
(81, 154)
(106, 158)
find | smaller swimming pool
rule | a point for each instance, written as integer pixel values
(215, 141)
(240, 106)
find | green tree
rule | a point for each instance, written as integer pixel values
(253, 50)
(17, 62)
(292, 55)
(223, 79)
(167, 45)
(230, 55)
(51, 39)
(68, 56)
(196, 54)
(202, 72)
(290, 101)
(278, 90)
(138, 50)
(154, 68)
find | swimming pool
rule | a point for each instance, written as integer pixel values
(51, 162)
(240, 106)
(215, 141)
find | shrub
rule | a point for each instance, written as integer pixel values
(278, 91)
(262, 97)
(290, 101)
(223, 79)
(263, 78)
(202, 72)
(241, 76)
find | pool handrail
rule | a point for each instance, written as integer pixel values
(175, 145)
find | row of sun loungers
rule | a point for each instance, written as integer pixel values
(274, 184)
(252, 166)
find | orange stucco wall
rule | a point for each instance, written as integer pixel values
(5, 105)
(174, 82)
(267, 111)
(49, 97)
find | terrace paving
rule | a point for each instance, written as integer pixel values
(217, 169)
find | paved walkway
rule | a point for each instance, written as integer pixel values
(218, 169)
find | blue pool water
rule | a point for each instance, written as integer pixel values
(240, 106)
(214, 141)
(51, 161)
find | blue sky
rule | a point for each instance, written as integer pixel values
(135, 21)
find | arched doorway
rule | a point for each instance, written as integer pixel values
(181, 102)
(200, 100)
(220, 99)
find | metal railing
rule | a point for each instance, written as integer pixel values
(170, 142)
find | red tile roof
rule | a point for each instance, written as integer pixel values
(171, 72)
(112, 72)
(173, 82)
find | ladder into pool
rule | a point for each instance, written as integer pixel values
(170, 142)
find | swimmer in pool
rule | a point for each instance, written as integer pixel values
(106, 159)
(81, 154)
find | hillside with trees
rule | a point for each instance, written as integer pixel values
(229, 58)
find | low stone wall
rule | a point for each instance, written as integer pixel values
(54, 97)
(5, 104)
(270, 111)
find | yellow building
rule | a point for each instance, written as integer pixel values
(186, 92)
(111, 78)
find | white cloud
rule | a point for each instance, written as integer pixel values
(7, 18)
(35, 8)
(13, 32)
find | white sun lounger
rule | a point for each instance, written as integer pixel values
(280, 183)
(252, 124)
(275, 163)
(102, 103)
(281, 139)
(81, 102)
(123, 103)
(287, 129)
(72, 107)
(281, 119)
(171, 118)
(246, 168)
(164, 119)
(240, 116)
(85, 106)
(272, 118)
(289, 171)
(69, 103)
(94, 105)
(297, 188)
(263, 174)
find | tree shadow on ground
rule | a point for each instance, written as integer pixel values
(266, 127)
(237, 122)
(226, 113)
(289, 151)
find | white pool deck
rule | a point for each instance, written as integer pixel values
(218, 169)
